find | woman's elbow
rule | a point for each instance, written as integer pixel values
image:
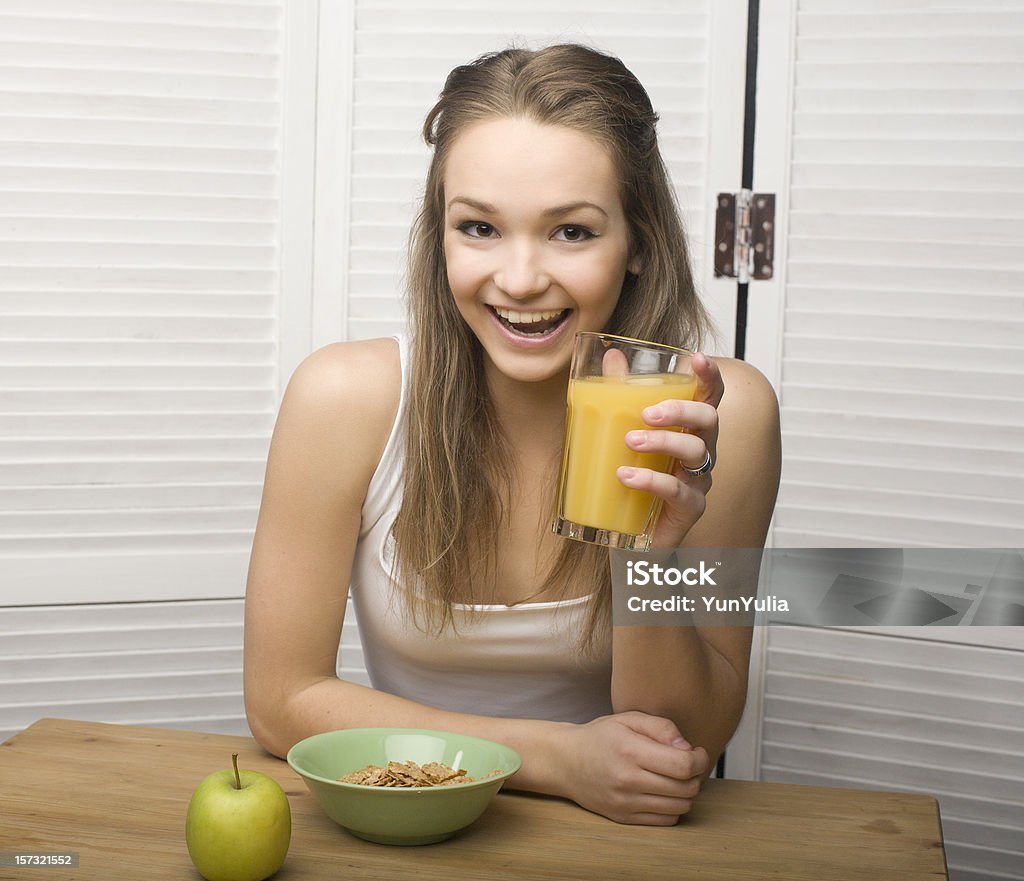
(266, 726)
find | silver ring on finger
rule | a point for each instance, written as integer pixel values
(704, 469)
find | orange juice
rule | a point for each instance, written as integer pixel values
(601, 410)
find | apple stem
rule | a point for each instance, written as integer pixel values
(234, 763)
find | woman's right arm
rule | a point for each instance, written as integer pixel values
(332, 427)
(333, 424)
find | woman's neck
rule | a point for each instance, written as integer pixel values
(532, 414)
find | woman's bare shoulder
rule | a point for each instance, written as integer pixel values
(748, 392)
(749, 461)
(342, 401)
(350, 371)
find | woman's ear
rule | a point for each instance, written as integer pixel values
(634, 265)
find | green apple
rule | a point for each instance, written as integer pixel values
(238, 826)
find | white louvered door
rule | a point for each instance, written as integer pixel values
(895, 325)
(893, 136)
(142, 179)
(155, 238)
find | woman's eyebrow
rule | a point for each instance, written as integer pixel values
(476, 205)
(555, 211)
(569, 207)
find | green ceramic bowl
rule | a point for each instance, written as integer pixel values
(414, 815)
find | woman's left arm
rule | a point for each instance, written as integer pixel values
(697, 676)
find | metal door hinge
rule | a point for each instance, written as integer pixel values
(745, 236)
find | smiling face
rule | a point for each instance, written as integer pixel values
(536, 242)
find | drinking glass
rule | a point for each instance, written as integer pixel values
(611, 380)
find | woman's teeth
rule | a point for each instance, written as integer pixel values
(526, 317)
(532, 323)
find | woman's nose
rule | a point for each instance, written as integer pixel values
(521, 272)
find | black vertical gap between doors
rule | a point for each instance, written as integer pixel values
(747, 183)
(747, 176)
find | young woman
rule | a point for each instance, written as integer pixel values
(421, 471)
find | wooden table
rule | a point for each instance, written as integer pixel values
(117, 796)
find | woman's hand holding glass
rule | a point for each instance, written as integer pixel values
(684, 495)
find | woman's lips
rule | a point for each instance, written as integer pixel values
(551, 323)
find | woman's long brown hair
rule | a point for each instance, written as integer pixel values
(457, 482)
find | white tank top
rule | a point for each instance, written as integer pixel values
(510, 661)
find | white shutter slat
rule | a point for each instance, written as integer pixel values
(910, 74)
(139, 106)
(983, 410)
(445, 43)
(255, 12)
(247, 234)
(71, 499)
(939, 303)
(139, 302)
(905, 124)
(156, 181)
(142, 206)
(445, 7)
(136, 255)
(998, 98)
(148, 326)
(545, 22)
(950, 47)
(882, 427)
(139, 520)
(198, 33)
(823, 272)
(938, 23)
(932, 227)
(948, 181)
(970, 480)
(912, 505)
(881, 375)
(137, 157)
(49, 473)
(1001, 331)
(923, 531)
(108, 81)
(930, 355)
(140, 220)
(976, 762)
(916, 775)
(82, 129)
(72, 55)
(434, 68)
(882, 202)
(123, 447)
(937, 152)
(925, 453)
(882, 7)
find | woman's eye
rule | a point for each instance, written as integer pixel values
(476, 230)
(573, 233)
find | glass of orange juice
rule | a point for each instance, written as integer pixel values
(612, 379)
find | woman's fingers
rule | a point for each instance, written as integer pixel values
(633, 767)
(690, 449)
(682, 490)
(657, 812)
(665, 783)
(694, 416)
(710, 385)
